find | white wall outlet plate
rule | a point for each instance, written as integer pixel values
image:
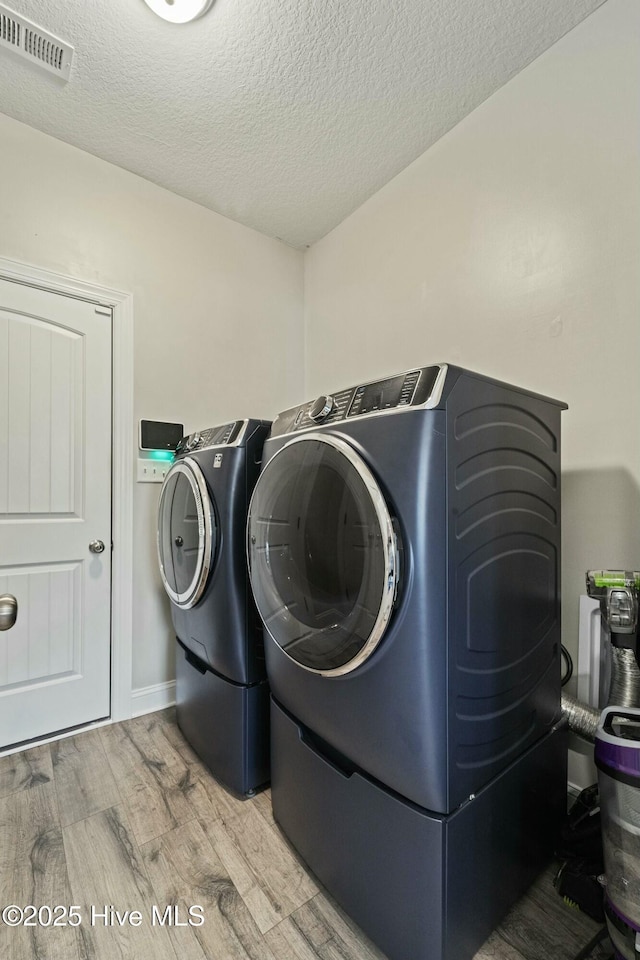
(152, 471)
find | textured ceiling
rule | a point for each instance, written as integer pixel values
(284, 115)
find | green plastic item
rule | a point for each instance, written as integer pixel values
(615, 578)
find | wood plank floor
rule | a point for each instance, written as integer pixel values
(126, 818)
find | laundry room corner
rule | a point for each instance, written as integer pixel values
(511, 246)
(216, 313)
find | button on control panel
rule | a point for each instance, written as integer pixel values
(408, 388)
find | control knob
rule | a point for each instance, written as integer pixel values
(193, 441)
(321, 408)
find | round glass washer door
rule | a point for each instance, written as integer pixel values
(187, 533)
(323, 555)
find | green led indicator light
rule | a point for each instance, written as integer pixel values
(161, 455)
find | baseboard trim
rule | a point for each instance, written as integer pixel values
(156, 697)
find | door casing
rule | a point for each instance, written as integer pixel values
(121, 304)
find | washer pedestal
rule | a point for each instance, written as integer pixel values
(422, 885)
(226, 723)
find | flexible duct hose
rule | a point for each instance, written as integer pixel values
(623, 692)
(625, 679)
(582, 718)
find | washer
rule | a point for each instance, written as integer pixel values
(403, 543)
(222, 699)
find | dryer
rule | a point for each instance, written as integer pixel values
(404, 542)
(221, 688)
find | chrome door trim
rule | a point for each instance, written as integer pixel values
(390, 547)
(188, 598)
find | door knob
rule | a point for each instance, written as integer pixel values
(8, 611)
(96, 546)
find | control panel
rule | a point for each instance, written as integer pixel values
(213, 437)
(384, 394)
(419, 387)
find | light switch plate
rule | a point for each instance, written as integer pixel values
(152, 471)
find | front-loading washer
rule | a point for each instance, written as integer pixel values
(222, 700)
(404, 543)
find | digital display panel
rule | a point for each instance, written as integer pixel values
(381, 395)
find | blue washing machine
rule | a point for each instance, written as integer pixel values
(404, 553)
(222, 694)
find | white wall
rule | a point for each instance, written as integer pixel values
(218, 308)
(513, 247)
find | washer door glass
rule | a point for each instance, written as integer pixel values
(186, 533)
(322, 554)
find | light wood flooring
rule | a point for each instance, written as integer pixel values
(126, 816)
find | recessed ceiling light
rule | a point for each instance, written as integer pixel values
(179, 11)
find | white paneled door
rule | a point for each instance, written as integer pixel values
(55, 511)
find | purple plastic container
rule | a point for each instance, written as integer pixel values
(617, 756)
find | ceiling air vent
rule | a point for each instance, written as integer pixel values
(35, 44)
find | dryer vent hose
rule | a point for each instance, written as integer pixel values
(625, 678)
(623, 692)
(582, 718)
